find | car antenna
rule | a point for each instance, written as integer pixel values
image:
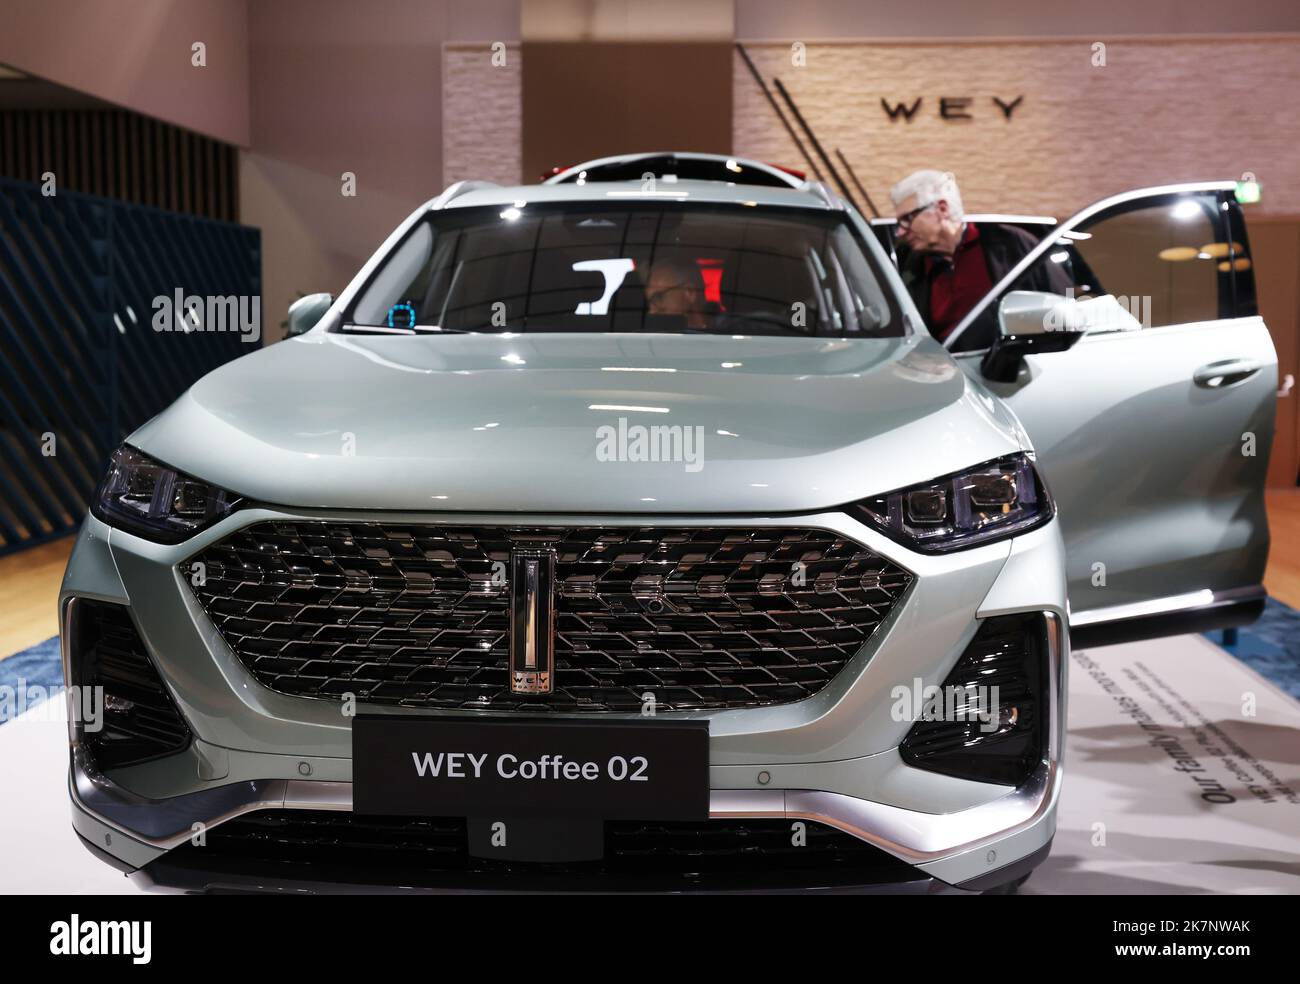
(776, 108)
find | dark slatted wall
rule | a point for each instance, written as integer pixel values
(79, 358)
(122, 155)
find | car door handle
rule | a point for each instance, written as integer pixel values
(1225, 373)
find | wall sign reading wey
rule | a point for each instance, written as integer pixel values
(949, 108)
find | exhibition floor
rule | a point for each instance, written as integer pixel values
(1169, 787)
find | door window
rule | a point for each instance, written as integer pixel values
(1155, 261)
(1160, 260)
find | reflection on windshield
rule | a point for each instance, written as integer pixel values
(615, 271)
(583, 267)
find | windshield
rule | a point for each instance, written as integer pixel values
(642, 268)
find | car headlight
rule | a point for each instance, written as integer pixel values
(997, 499)
(149, 499)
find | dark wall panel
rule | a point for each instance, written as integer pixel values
(79, 358)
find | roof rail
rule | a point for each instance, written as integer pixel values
(454, 191)
(782, 177)
(820, 189)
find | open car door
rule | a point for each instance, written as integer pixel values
(1151, 409)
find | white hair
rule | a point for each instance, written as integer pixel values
(929, 187)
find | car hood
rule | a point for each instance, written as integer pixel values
(567, 422)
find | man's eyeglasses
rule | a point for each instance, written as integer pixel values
(906, 218)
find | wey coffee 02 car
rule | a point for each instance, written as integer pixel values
(339, 561)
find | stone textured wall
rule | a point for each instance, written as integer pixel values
(482, 114)
(1159, 111)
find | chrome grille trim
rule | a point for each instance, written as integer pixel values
(702, 617)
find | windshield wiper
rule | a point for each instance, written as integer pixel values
(385, 330)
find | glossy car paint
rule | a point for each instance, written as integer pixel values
(1168, 502)
(452, 422)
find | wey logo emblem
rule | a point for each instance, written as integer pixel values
(532, 621)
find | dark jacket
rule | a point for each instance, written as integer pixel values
(1004, 246)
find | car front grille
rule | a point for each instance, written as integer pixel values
(418, 615)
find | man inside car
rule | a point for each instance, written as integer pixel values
(676, 287)
(951, 263)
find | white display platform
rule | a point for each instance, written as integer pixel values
(1161, 835)
(39, 852)
(1157, 833)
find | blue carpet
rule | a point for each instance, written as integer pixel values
(39, 666)
(1270, 647)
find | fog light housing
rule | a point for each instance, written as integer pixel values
(140, 721)
(999, 691)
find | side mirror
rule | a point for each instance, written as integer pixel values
(305, 312)
(1031, 321)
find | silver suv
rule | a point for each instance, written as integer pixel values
(610, 534)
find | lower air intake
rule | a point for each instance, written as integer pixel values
(989, 722)
(140, 720)
(748, 854)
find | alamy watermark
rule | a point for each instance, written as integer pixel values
(922, 702)
(1099, 313)
(651, 442)
(237, 313)
(77, 937)
(84, 705)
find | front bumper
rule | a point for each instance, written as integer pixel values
(832, 758)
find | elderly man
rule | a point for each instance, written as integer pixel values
(676, 286)
(952, 264)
